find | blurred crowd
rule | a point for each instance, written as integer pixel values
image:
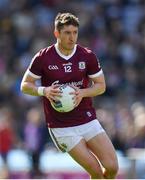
(114, 30)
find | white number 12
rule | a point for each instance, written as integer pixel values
(67, 69)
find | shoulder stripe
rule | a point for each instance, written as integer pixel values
(96, 74)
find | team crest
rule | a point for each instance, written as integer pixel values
(82, 65)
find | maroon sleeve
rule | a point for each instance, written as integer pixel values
(93, 65)
(36, 64)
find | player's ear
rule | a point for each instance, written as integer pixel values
(56, 33)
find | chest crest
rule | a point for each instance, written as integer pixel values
(82, 65)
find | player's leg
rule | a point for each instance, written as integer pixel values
(82, 155)
(78, 150)
(102, 147)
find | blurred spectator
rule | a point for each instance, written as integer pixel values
(34, 136)
(138, 139)
(7, 136)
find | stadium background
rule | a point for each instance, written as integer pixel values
(115, 31)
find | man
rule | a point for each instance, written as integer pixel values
(77, 132)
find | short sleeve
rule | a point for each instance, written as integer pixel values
(93, 66)
(35, 67)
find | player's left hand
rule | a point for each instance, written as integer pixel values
(78, 96)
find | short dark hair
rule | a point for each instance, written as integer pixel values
(65, 19)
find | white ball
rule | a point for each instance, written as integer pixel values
(65, 103)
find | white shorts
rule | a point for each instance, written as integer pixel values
(67, 138)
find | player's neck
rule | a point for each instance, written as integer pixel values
(64, 51)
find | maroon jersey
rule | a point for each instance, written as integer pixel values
(53, 67)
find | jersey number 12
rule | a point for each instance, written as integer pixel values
(67, 69)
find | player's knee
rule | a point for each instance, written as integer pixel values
(96, 174)
(112, 169)
(94, 171)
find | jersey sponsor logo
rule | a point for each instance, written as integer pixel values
(55, 82)
(82, 65)
(74, 83)
(53, 67)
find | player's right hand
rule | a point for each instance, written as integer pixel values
(52, 92)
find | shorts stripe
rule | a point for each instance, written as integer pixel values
(59, 147)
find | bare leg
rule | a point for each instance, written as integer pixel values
(102, 147)
(82, 155)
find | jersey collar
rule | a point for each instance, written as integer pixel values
(62, 55)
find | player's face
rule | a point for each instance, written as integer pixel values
(67, 37)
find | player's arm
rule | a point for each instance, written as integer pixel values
(98, 87)
(28, 86)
